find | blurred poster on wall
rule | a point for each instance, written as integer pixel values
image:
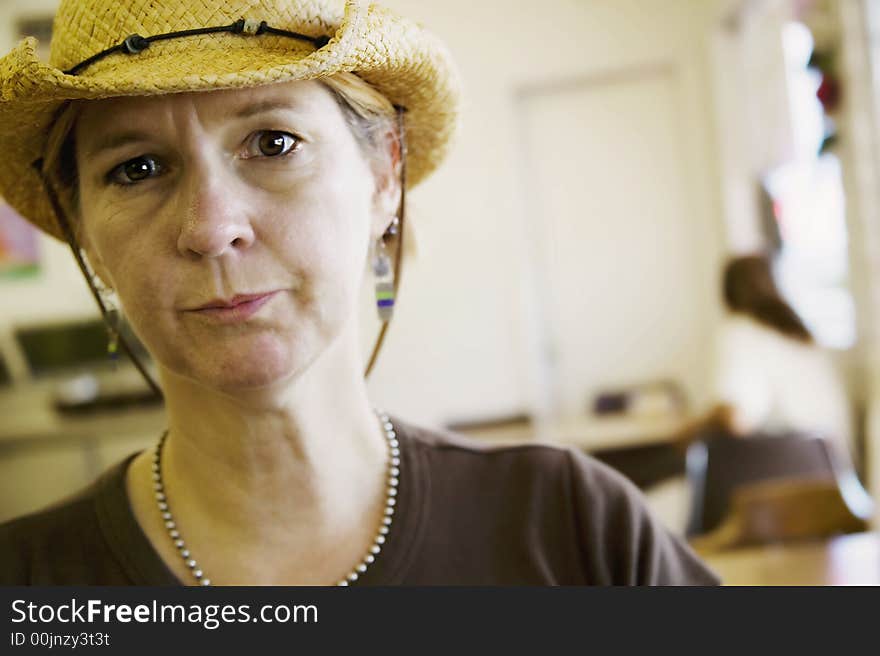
(19, 245)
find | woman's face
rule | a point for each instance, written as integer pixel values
(233, 225)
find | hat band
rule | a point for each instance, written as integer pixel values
(136, 43)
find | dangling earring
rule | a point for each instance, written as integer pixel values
(384, 272)
(113, 334)
(111, 320)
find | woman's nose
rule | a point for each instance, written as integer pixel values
(215, 221)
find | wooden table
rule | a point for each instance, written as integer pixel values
(844, 560)
(28, 415)
(586, 432)
(46, 454)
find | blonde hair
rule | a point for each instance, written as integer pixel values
(369, 114)
(59, 160)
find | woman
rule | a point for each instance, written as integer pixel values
(233, 219)
(771, 377)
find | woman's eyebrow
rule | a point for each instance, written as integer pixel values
(116, 140)
(263, 107)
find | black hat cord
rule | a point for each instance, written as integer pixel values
(70, 238)
(135, 44)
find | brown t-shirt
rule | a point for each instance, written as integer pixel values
(467, 514)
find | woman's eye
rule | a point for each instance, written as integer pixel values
(270, 143)
(135, 170)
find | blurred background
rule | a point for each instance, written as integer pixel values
(571, 279)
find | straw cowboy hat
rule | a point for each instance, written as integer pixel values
(106, 48)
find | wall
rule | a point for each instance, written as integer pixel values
(752, 106)
(465, 341)
(472, 212)
(58, 291)
(860, 25)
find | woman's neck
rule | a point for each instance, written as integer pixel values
(278, 471)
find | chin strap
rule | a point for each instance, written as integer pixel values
(401, 227)
(70, 237)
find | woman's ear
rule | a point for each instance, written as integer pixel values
(388, 193)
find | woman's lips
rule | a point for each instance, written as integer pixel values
(235, 310)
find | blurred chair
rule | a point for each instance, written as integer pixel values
(766, 488)
(779, 511)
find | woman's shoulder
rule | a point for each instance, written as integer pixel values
(42, 535)
(446, 448)
(751, 334)
(37, 546)
(56, 517)
(553, 465)
(552, 501)
(533, 458)
(743, 328)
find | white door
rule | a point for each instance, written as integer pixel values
(618, 260)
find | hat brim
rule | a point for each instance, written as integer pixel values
(404, 62)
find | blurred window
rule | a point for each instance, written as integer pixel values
(809, 207)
